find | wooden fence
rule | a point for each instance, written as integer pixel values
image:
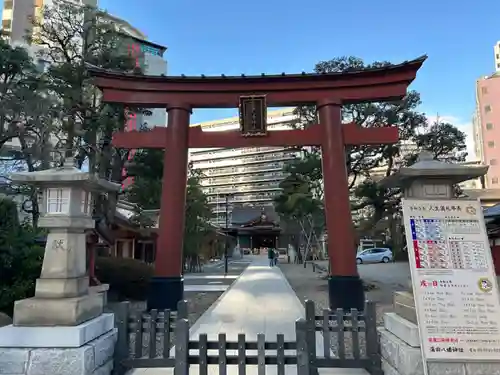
(349, 340)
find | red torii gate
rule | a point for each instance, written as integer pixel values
(179, 95)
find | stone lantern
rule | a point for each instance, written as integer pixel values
(427, 179)
(62, 295)
(432, 179)
(400, 343)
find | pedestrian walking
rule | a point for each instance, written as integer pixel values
(270, 256)
(276, 256)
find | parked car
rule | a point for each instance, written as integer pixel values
(282, 254)
(375, 255)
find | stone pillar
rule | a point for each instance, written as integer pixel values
(399, 338)
(345, 287)
(167, 285)
(62, 329)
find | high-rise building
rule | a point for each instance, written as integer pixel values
(251, 175)
(486, 123)
(496, 50)
(17, 16)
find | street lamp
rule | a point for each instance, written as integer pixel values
(226, 244)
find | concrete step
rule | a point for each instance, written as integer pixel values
(404, 305)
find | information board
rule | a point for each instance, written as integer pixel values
(454, 281)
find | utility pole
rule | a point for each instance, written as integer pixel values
(226, 244)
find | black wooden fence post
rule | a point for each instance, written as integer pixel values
(372, 344)
(311, 335)
(181, 347)
(122, 312)
(182, 310)
(303, 362)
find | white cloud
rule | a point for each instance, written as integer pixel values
(466, 127)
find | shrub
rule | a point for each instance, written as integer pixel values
(128, 279)
(20, 258)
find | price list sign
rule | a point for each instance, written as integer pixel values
(454, 281)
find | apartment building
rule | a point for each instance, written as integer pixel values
(149, 56)
(496, 51)
(251, 175)
(17, 16)
(486, 127)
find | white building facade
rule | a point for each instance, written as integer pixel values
(250, 175)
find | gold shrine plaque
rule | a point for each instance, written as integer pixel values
(253, 116)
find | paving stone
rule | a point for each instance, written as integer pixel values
(80, 361)
(13, 361)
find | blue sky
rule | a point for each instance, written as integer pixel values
(291, 36)
(207, 37)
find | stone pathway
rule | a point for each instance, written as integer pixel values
(260, 301)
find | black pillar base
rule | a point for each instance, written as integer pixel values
(346, 292)
(165, 292)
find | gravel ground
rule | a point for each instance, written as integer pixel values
(313, 285)
(309, 285)
(198, 303)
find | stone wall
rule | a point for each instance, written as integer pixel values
(93, 358)
(401, 355)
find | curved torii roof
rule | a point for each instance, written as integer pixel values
(356, 85)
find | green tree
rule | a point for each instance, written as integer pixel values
(147, 170)
(72, 37)
(197, 216)
(445, 141)
(300, 203)
(20, 258)
(366, 164)
(26, 117)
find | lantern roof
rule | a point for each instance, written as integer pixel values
(427, 168)
(65, 175)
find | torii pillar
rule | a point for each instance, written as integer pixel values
(345, 287)
(167, 285)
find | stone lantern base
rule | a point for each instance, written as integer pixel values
(42, 312)
(85, 349)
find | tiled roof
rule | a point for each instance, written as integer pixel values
(97, 71)
(244, 215)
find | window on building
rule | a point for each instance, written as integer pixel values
(493, 162)
(8, 4)
(6, 24)
(489, 126)
(484, 90)
(491, 144)
(494, 180)
(487, 108)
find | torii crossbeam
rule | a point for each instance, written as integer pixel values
(179, 95)
(352, 135)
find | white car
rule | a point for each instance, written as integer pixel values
(282, 254)
(375, 255)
